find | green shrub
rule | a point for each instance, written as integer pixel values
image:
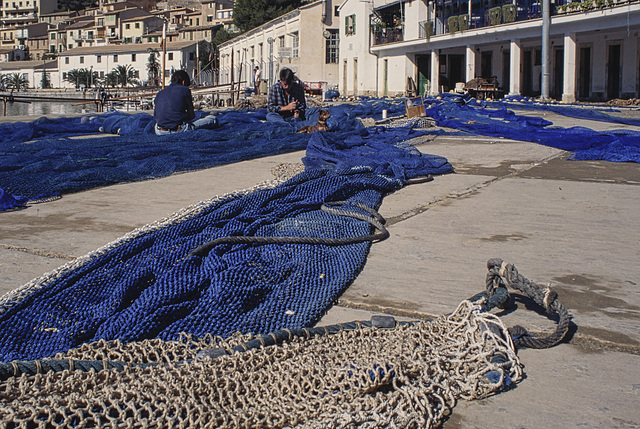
(452, 21)
(495, 15)
(509, 13)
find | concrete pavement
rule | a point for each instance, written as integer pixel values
(573, 225)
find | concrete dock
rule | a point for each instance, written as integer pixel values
(573, 225)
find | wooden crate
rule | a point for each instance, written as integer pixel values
(415, 107)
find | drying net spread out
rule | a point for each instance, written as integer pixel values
(40, 159)
(409, 376)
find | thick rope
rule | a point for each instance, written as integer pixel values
(500, 276)
(375, 219)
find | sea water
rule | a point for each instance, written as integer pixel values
(46, 108)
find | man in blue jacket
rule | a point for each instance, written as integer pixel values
(173, 108)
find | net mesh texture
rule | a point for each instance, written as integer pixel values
(408, 377)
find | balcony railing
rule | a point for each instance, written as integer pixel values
(507, 13)
(388, 35)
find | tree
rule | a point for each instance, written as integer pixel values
(111, 79)
(80, 77)
(76, 4)
(126, 74)
(46, 81)
(249, 14)
(17, 81)
(153, 66)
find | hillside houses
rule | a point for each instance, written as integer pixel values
(377, 47)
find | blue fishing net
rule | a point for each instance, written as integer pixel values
(465, 114)
(40, 158)
(150, 287)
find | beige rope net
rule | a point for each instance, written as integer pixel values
(409, 376)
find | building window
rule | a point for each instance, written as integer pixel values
(332, 46)
(192, 56)
(66, 60)
(350, 25)
(64, 75)
(133, 58)
(115, 58)
(102, 75)
(336, 11)
(53, 36)
(170, 56)
(137, 25)
(197, 21)
(281, 41)
(81, 60)
(127, 26)
(98, 59)
(295, 45)
(209, 18)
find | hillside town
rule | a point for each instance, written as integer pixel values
(377, 48)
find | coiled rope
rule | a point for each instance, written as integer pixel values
(501, 275)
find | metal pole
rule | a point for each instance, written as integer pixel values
(198, 63)
(546, 57)
(164, 50)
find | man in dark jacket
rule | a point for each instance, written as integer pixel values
(173, 108)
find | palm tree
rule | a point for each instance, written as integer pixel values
(153, 66)
(17, 81)
(126, 74)
(111, 79)
(81, 77)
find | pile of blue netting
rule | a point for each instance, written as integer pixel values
(151, 285)
(464, 113)
(52, 156)
(62, 155)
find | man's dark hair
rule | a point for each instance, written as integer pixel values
(287, 75)
(181, 76)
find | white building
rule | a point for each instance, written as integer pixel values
(304, 40)
(420, 45)
(104, 59)
(32, 71)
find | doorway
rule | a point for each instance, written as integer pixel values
(355, 76)
(527, 73)
(456, 70)
(424, 73)
(506, 72)
(613, 71)
(584, 73)
(486, 64)
(558, 74)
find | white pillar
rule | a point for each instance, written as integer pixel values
(514, 67)
(435, 73)
(569, 76)
(471, 63)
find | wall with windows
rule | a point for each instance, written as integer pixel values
(357, 67)
(105, 59)
(298, 40)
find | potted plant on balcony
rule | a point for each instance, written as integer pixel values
(509, 13)
(463, 22)
(495, 15)
(452, 23)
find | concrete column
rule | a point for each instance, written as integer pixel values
(435, 73)
(471, 63)
(514, 67)
(569, 77)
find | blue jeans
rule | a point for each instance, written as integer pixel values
(312, 116)
(207, 122)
